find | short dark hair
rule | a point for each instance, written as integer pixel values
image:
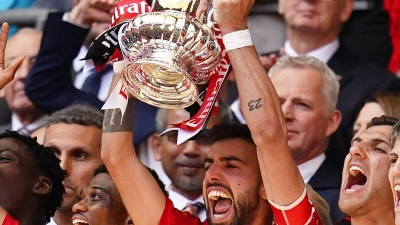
(222, 131)
(48, 165)
(394, 134)
(103, 169)
(382, 121)
(80, 114)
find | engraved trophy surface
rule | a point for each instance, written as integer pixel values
(169, 52)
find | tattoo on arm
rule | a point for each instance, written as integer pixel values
(112, 119)
(254, 104)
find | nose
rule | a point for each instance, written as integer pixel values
(358, 150)
(191, 149)
(65, 164)
(79, 207)
(213, 173)
(287, 110)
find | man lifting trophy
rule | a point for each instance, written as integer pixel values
(169, 51)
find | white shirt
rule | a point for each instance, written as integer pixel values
(16, 123)
(52, 222)
(78, 64)
(323, 53)
(81, 77)
(308, 169)
(180, 202)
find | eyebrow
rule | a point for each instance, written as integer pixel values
(374, 140)
(392, 154)
(223, 159)
(99, 188)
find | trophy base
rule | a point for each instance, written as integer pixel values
(160, 85)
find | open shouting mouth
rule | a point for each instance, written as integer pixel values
(356, 179)
(221, 204)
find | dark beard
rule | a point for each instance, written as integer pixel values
(245, 208)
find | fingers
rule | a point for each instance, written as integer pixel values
(191, 209)
(231, 15)
(87, 12)
(268, 61)
(14, 65)
(7, 75)
(3, 42)
(104, 5)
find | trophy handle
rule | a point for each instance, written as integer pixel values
(210, 23)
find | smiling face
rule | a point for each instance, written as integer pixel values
(232, 184)
(365, 187)
(17, 174)
(184, 163)
(100, 204)
(78, 148)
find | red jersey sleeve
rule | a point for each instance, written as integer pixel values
(300, 212)
(172, 216)
(8, 220)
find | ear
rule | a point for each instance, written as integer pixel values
(128, 221)
(346, 10)
(334, 122)
(42, 186)
(155, 146)
(262, 192)
(280, 6)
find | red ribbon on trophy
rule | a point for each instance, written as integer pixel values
(105, 49)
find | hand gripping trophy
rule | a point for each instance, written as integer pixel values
(169, 52)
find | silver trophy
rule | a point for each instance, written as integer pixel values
(169, 53)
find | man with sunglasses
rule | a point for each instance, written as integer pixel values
(184, 164)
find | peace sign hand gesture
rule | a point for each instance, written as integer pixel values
(7, 74)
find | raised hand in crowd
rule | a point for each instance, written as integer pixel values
(269, 60)
(86, 12)
(7, 73)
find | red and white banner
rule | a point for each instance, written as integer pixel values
(105, 49)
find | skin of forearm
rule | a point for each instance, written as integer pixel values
(262, 111)
(140, 193)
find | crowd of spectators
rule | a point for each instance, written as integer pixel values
(305, 134)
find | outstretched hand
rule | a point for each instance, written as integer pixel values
(7, 74)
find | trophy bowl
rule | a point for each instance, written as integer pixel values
(168, 53)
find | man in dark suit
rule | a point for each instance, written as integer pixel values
(26, 117)
(311, 118)
(313, 29)
(49, 84)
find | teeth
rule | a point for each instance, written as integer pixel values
(76, 221)
(397, 188)
(355, 170)
(215, 195)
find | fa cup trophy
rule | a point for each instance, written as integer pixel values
(169, 52)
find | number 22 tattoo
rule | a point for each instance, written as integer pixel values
(254, 104)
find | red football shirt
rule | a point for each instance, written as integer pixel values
(301, 212)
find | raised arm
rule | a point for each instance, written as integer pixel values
(49, 83)
(7, 74)
(260, 106)
(140, 193)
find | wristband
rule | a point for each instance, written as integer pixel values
(237, 39)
